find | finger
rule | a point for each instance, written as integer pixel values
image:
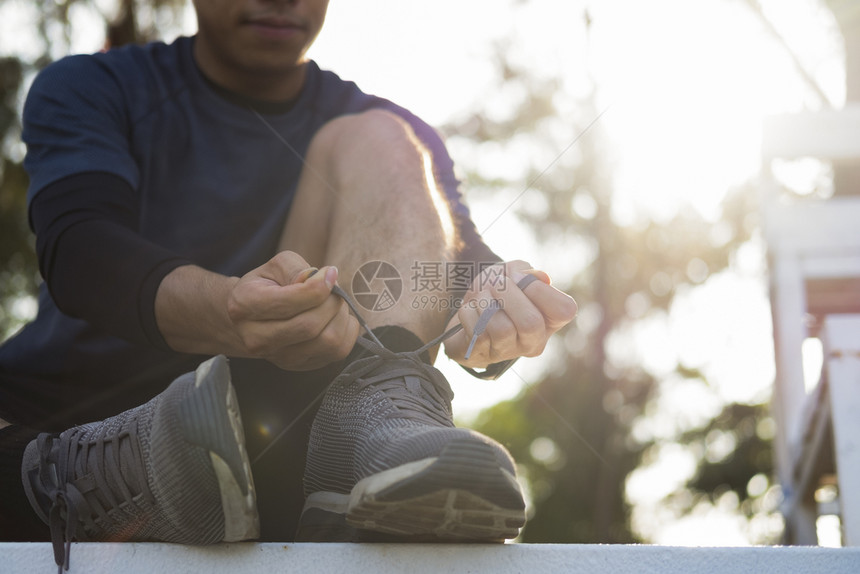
(501, 336)
(309, 325)
(468, 317)
(492, 275)
(339, 335)
(558, 308)
(498, 274)
(516, 265)
(543, 276)
(480, 327)
(528, 329)
(285, 268)
(260, 299)
(457, 344)
(263, 338)
(333, 344)
(493, 335)
(304, 275)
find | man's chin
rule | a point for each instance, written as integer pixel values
(264, 72)
(266, 63)
(268, 79)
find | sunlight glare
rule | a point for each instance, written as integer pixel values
(690, 89)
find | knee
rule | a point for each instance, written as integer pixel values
(371, 134)
(372, 125)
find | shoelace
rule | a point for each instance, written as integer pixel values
(376, 347)
(69, 505)
(419, 376)
(410, 366)
(480, 326)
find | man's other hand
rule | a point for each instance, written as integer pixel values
(524, 322)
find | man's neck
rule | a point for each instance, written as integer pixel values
(262, 106)
(268, 87)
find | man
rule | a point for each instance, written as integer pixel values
(223, 196)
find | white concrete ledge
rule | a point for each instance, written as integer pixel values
(149, 558)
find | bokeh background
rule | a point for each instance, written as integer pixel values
(614, 144)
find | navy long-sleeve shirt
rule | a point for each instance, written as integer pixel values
(138, 165)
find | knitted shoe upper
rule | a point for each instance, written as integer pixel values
(383, 411)
(135, 476)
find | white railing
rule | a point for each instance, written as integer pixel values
(145, 558)
(814, 258)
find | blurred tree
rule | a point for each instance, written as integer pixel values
(571, 430)
(745, 426)
(125, 22)
(18, 274)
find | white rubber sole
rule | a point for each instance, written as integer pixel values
(461, 495)
(241, 519)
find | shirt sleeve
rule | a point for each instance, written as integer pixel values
(75, 121)
(95, 264)
(82, 201)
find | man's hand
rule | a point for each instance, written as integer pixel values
(286, 313)
(523, 324)
(281, 311)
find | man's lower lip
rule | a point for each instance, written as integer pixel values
(274, 32)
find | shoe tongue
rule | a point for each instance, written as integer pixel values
(400, 340)
(413, 384)
(437, 391)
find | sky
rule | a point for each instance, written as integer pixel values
(683, 88)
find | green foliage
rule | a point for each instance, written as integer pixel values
(746, 427)
(131, 21)
(18, 274)
(570, 434)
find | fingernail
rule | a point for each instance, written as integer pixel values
(330, 277)
(306, 274)
(542, 275)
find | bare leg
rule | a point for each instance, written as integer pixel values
(368, 194)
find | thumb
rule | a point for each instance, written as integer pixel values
(327, 275)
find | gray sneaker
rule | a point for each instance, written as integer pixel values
(385, 461)
(172, 470)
